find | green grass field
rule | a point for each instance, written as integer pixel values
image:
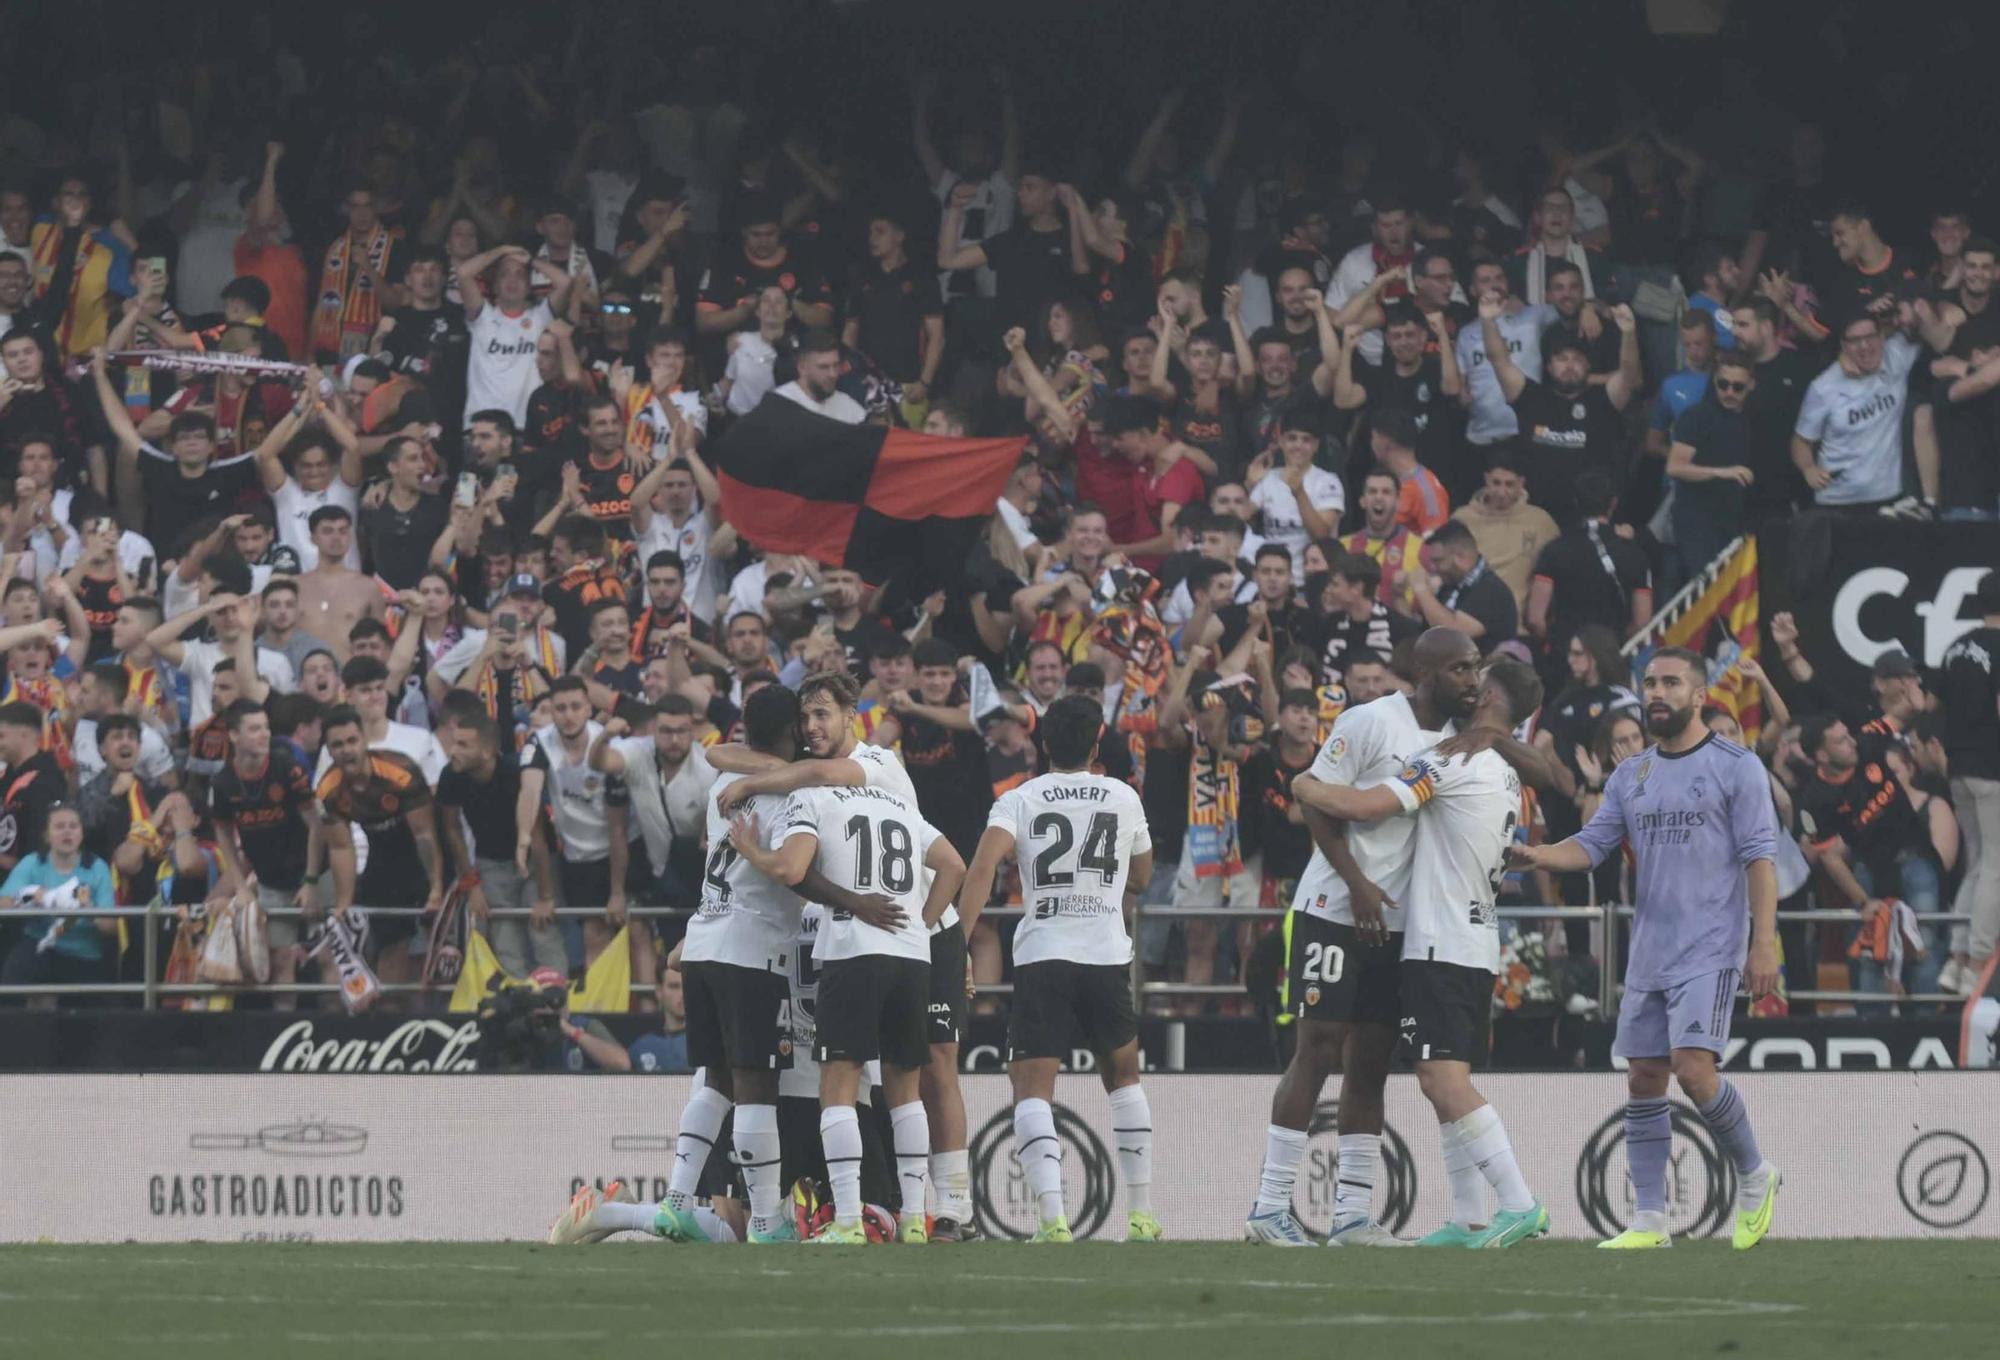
(1933, 1300)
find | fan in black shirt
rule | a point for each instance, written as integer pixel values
(1469, 596)
(944, 753)
(896, 313)
(1568, 424)
(1590, 575)
(729, 289)
(1031, 260)
(262, 800)
(30, 784)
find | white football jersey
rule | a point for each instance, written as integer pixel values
(870, 841)
(578, 796)
(1075, 834)
(1367, 746)
(1470, 806)
(884, 769)
(745, 918)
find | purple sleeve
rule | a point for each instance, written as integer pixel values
(1751, 814)
(1605, 831)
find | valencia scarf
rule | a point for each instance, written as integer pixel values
(348, 306)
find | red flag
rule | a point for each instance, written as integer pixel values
(867, 497)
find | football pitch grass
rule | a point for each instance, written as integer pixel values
(1929, 1299)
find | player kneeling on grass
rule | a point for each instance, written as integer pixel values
(1085, 856)
(874, 983)
(1695, 810)
(1470, 800)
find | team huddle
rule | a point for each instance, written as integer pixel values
(827, 961)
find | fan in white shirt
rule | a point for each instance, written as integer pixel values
(325, 470)
(816, 388)
(1300, 500)
(501, 373)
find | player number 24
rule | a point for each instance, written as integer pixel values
(1098, 856)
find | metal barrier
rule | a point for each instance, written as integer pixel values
(1609, 917)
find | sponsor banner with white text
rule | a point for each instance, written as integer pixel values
(354, 1158)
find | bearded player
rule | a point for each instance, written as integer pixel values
(1696, 811)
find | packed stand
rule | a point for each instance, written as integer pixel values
(364, 540)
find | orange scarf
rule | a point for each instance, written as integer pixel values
(348, 306)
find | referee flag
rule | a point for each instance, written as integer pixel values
(884, 502)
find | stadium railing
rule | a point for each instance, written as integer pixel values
(1610, 918)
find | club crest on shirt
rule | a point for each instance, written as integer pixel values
(1697, 788)
(1576, 411)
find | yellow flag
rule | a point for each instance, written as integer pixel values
(606, 987)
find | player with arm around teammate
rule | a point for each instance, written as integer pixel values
(1470, 806)
(736, 967)
(1343, 939)
(874, 982)
(1085, 857)
(836, 757)
(1696, 810)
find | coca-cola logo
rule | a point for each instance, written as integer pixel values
(413, 1046)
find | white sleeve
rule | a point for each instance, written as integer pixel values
(1813, 413)
(1900, 354)
(1348, 749)
(459, 658)
(1329, 494)
(799, 817)
(155, 760)
(276, 668)
(1006, 812)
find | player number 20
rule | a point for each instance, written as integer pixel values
(1324, 963)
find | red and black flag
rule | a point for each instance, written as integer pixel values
(890, 504)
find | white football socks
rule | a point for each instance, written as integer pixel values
(1039, 1151)
(1132, 1132)
(701, 1125)
(910, 1130)
(1354, 1191)
(1468, 1186)
(840, 1138)
(757, 1152)
(951, 1183)
(1484, 1138)
(614, 1216)
(1283, 1148)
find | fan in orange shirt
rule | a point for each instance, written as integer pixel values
(1421, 502)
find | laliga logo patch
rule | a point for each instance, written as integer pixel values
(1312, 995)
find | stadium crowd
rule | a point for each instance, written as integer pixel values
(363, 530)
